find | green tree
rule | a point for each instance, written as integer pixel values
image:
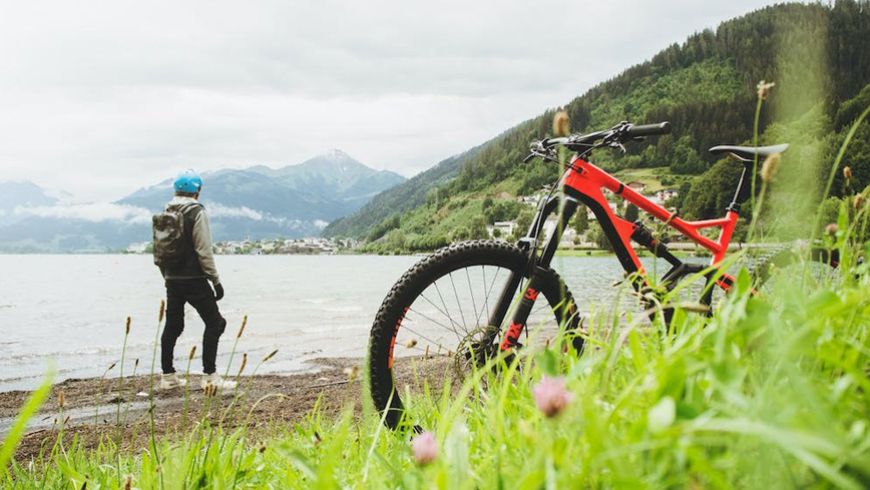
(631, 213)
(711, 193)
(523, 220)
(396, 240)
(601, 240)
(685, 159)
(501, 210)
(477, 229)
(380, 230)
(581, 220)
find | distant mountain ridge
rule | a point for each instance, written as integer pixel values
(255, 202)
(398, 199)
(325, 187)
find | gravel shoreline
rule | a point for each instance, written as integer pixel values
(91, 406)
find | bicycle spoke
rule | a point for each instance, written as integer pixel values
(418, 334)
(456, 295)
(439, 310)
(458, 336)
(487, 293)
(438, 290)
(471, 292)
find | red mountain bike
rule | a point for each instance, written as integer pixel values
(452, 308)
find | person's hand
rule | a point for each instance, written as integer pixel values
(218, 292)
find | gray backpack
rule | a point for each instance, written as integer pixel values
(168, 235)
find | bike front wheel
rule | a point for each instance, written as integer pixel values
(433, 324)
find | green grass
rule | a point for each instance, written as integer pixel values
(771, 392)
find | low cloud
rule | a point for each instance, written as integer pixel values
(93, 212)
(217, 210)
(220, 211)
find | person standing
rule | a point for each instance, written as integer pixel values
(183, 252)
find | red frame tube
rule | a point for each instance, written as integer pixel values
(589, 180)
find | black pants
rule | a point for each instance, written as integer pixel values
(199, 294)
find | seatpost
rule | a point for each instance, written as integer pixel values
(740, 194)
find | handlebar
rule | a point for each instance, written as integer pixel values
(635, 131)
(613, 137)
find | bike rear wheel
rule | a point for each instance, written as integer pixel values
(433, 323)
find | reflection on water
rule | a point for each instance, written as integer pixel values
(68, 312)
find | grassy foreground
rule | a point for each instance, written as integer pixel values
(772, 392)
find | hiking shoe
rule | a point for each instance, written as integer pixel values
(170, 381)
(214, 380)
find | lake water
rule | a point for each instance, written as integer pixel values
(68, 311)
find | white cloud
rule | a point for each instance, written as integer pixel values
(216, 210)
(94, 212)
(104, 97)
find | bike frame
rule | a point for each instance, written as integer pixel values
(585, 183)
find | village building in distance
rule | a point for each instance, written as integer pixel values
(277, 246)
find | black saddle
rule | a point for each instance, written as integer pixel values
(748, 153)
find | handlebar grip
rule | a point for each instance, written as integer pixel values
(648, 129)
(551, 142)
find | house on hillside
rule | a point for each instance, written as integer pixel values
(504, 228)
(531, 200)
(663, 195)
(636, 186)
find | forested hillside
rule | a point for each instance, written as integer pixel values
(403, 197)
(706, 87)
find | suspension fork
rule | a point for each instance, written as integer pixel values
(538, 267)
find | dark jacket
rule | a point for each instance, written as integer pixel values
(199, 258)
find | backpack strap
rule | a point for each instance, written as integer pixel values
(186, 208)
(189, 207)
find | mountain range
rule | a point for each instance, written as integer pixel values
(255, 202)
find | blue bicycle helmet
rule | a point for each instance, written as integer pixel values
(188, 182)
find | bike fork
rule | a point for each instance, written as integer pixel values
(539, 267)
(521, 314)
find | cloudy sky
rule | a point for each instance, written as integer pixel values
(100, 98)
